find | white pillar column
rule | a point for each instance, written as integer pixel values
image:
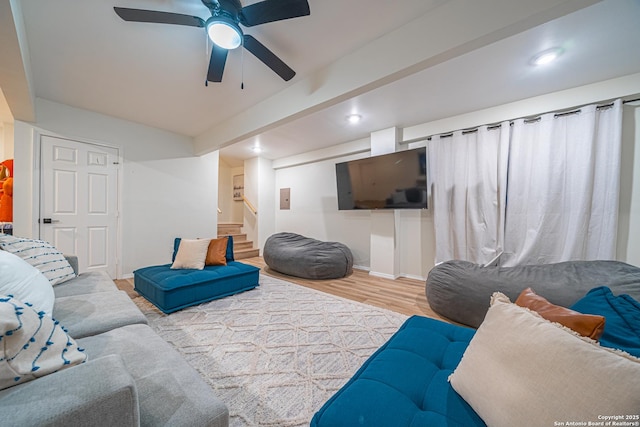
(385, 257)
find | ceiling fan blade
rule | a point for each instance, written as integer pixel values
(273, 10)
(158, 17)
(216, 63)
(261, 52)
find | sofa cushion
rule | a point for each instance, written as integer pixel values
(86, 283)
(91, 314)
(622, 314)
(405, 382)
(32, 344)
(191, 254)
(587, 325)
(171, 393)
(520, 367)
(42, 255)
(172, 290)
(96, 393)
(21, 280)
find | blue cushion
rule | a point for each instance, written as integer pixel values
(622, 318)
(228, 255)
(405, 382)
(172, 290)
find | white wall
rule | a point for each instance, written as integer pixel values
(314, 211)
(169, 192)
(629, 217)
(416, 242)
(251, 188)
(314, 207)
(258, 190)
(311, 178)
(232, 210)
(266, 202)
(6, 141)
(237, 206)
(166, 191)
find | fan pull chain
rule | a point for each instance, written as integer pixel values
(242, 69)
(206, 54)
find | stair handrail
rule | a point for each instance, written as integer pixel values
(249, 205)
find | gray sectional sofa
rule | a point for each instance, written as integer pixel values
(132, 376)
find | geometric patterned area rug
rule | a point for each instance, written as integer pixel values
(276, 353)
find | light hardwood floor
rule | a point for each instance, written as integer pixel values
(402, 295)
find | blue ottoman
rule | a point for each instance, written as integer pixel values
(172, 290)
(405, 382)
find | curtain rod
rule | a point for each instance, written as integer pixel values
(574, 110)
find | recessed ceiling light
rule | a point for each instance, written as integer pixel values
(256, 149)
(354, 118)
(547, 56)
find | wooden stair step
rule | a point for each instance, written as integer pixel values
(246, 253)
(229, 224)
(228, 231)
(229, 228)
(242, 244)
(236, 237)
(242, 248)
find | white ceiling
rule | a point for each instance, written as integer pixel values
(600, 42)
(83, 55)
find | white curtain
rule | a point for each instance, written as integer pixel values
(563, 185)
(467, 176)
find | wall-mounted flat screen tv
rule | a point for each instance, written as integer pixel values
(390, 181)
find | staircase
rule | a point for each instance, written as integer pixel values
(242, 248)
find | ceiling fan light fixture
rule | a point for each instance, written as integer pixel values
(224, 32)
(223, 29)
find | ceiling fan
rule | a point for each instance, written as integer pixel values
(223, 28)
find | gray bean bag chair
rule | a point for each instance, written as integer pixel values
(300, 256)
(461, 290)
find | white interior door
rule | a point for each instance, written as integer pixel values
(79, 201)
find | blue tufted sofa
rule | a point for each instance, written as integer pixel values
(405, 383)
(172, 290)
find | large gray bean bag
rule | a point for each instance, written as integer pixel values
(461, 290)
(301, 256)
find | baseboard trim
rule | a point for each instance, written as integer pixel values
(411, 276)
(388, 276)
(383, 275)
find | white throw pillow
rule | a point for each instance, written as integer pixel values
(192, 254)
(520, 369)
(34, 345)
(25, 282)
(40, 254)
